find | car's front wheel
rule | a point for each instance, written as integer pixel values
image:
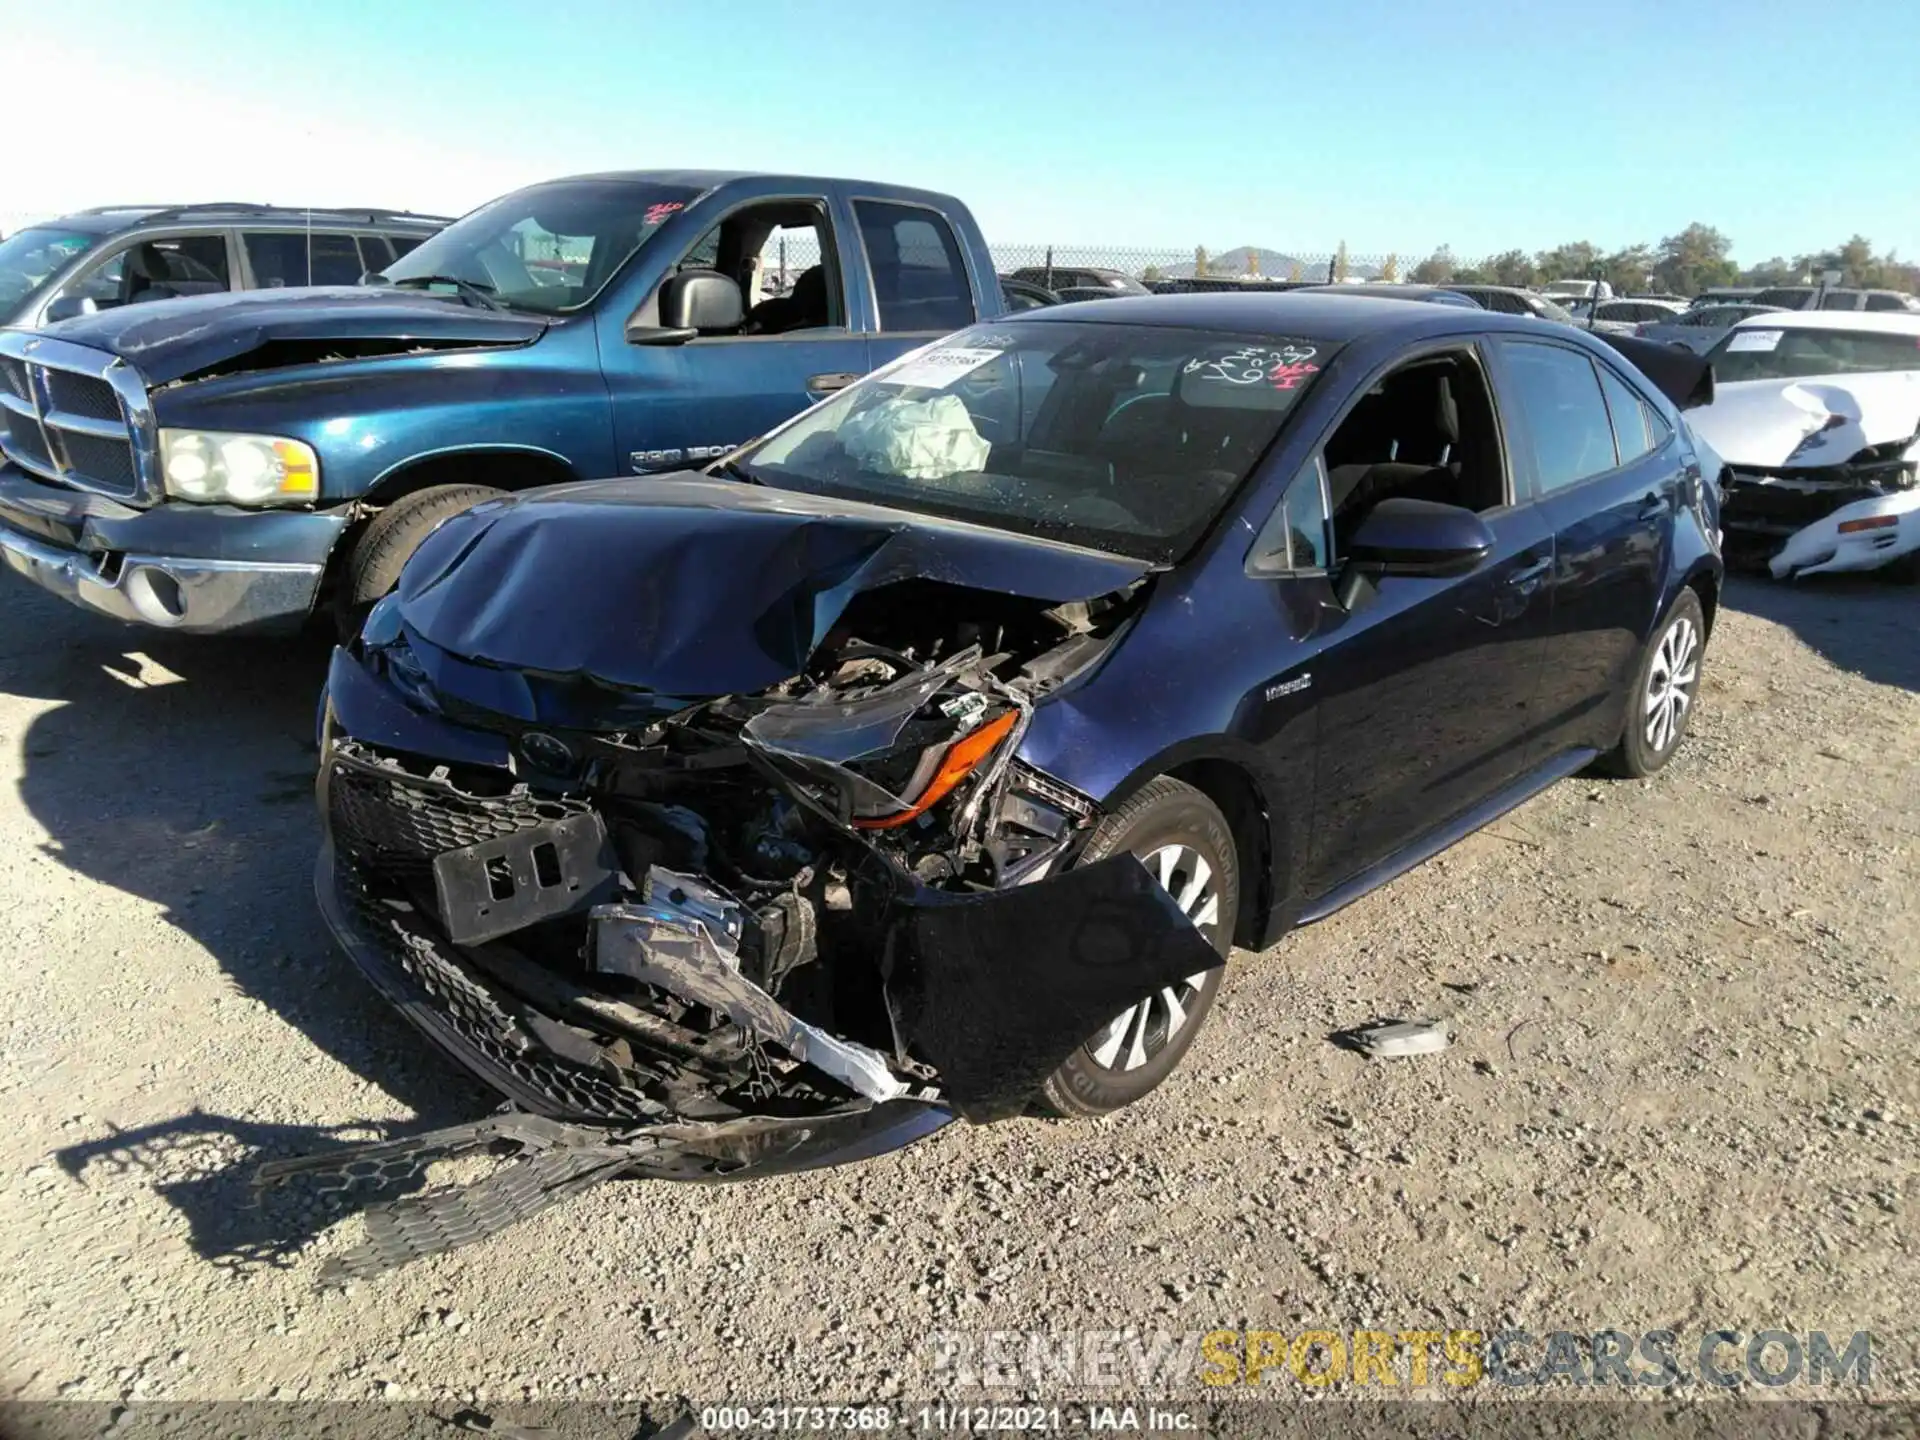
(386, 544)
(1660, 705)
(1187, 845)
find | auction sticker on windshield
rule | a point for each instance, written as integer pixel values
(938, 369)
(1754, 340)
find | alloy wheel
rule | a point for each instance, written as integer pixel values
(1670, 682)
(1142, 1031)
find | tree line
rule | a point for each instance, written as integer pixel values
(1682, 264)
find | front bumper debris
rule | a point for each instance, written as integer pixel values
(545, 1161)
(1819, 520)
(176, 567)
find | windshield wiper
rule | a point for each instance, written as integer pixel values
(471, 291)
(734, 470)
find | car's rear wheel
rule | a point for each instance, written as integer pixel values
(1187, 845)
(373, 565)
(1660, 705)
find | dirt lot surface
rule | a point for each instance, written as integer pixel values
(1683, 1092)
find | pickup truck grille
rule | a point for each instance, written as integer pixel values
(63, 419)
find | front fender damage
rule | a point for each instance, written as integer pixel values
(670, 865)
(995, 991)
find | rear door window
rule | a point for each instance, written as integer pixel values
(919, 271)
(294, 257)
(375, 253)
(1558, 398)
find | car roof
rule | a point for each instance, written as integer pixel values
(1382, 289)
(1309, 314)
(113, 219)
(1886, 322)
(705, 180)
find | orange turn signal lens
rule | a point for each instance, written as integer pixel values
(963, 758)
(1874, 522)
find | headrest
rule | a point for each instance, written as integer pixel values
(1446, 416)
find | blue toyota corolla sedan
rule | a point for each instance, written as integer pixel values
(927, 757)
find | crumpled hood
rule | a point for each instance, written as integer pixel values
(689, 586)
(1760, 423)
(167, 339)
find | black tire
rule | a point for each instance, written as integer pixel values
(388, 542)
(1164, 812)
(1649, 739)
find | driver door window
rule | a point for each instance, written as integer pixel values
(781, 255)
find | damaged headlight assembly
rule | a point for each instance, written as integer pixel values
(221, 467)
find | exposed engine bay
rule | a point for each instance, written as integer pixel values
(839, 904)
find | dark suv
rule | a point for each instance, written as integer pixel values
(123, 254)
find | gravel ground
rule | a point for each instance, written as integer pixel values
(1683, 1092)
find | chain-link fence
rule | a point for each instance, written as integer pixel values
(1065, 266)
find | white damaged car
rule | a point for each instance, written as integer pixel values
(1817, 416)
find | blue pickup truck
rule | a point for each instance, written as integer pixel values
(255, 461)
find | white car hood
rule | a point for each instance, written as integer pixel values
(1760, 423)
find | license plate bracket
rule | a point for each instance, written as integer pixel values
(502, 885)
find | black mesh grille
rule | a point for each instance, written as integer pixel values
(104, 462)
(83, 395)
(417, 969)
(13, 375)
(25, 440)
(394, 824)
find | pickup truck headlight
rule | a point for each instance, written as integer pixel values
(212, 465)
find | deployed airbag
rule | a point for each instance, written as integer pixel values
(919, 439)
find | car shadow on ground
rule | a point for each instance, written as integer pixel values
(205, 1166)
(1861, 623)
(180, 769)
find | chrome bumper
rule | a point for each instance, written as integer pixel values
(174, 567)
(168, 592)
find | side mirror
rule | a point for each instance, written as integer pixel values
(692, 303)
(1403, 536)
(66, 307)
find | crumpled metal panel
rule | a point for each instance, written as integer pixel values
(1682, 376)
(997, 990)
(698, 586)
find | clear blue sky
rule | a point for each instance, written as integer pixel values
(1393, 126)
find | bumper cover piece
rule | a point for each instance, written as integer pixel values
(176, 567)
(547, 1161)
(997, 990)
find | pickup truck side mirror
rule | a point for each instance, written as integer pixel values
(692, 303)
(65, 307)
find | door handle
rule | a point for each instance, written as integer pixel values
(831, 381)
(1530, 577)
